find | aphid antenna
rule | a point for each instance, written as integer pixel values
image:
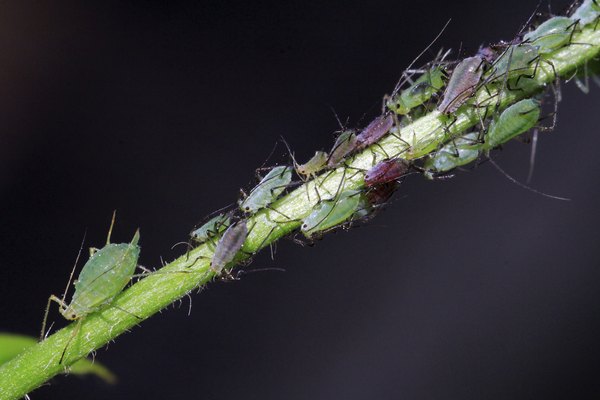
(262, 166)
(522, 185)
(129, 312)
(61, 301)
(241, 272)
(112, 224)
(337, 118)
(290, 152)
(187, 244)
(401, 81)
(231, 207)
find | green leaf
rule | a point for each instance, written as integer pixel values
(12, 345)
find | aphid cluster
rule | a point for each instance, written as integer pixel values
(442, 85)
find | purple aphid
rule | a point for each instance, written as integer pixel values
(462, 84)
(380, 194)
(487, 53)
(374, 131)
(229, 245)
(386, 171)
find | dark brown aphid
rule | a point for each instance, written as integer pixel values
(229, 245)
(374, 131)
(380, 194)
(386, 171)
(462, 84)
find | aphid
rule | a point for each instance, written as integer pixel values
(386, 171)
(552, 34)
(487, 53)
(212, 228)
(515, 120)
(267, 191)
(428, 84)
(331, 213)
(514, 61)
(313, 166)
(101, 279)
(457, 153)
(345, 144)
(374, 131)
(229, 245)
(587, 12)
(462, 84)
(380, 194)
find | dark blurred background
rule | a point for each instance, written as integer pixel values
(461, 289)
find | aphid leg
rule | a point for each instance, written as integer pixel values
(516, 182)
(324, 179)
(51, 299)
(75, 332)
(379, 147)
(61, 301)
(129, 312)
(584, 85)
(288, 219)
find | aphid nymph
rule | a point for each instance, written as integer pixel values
(268, 189)
(462, 84)
(229, 245)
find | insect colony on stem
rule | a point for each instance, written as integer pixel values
(440, 86)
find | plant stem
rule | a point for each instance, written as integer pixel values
(192, 270)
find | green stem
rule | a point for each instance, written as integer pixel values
(156, 291)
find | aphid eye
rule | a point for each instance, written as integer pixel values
(305, 226)
(247, 208)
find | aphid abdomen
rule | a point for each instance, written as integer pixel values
(418, 93)
(386, 171)
(105, 275)
(268, 189)
(515, 120)
(229, 245)
(374, 131)
(462, 84)
(515, 60)
(314, 165)
(345, 144)
(212, 228)
(587, 12)
(331, 213)
(550, 35)
(457, 153)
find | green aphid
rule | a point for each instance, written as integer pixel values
(331, 213)
(462, 84)
(457, 153)
(514, 61)
(268, 189)
(515, 120)
(212, 228)
(101, 279)
(316, 164)
(552, 34)
(428, 84)
(344, 144)
(587, 12)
